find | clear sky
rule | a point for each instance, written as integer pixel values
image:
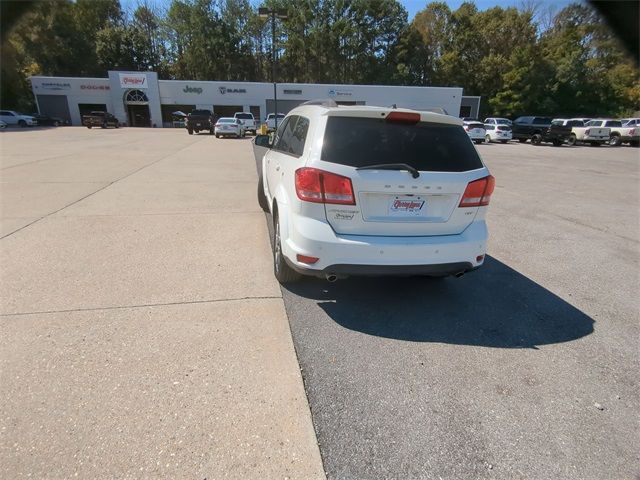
(412, 6)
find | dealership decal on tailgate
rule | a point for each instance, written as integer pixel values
(406, 206)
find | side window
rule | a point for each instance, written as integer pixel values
(299, 136)
(293, 136)
(279, 142)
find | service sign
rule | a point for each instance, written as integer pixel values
(133, 80)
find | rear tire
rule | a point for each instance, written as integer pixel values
(217, 136)
(190, 131)
(89, 127)
(536, 139)
(262, 199)
(572, 140)
(56, 123)
(615, 141)
(487, 139)
(282, 271)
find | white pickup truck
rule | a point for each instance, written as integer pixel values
(630, 132)
(620, 132)
(250, 123)
(271, 121)
(591, 133)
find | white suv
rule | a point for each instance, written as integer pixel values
(14, 118)
(373, 191)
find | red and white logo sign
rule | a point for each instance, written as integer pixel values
(133, 80)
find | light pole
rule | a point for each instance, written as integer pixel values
(282, 15)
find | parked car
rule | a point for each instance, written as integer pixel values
(47, 120)
(229, 127)
(200, 120)
(556, 134)
(100, 119)
(250, 123)
(615, 129)
(476, 131)
(593, 134)
(350, 194)
(524, 128)
(497, 121)
(498, 133)
(630, 132)
(271, 121)
(2, 124)
(11, 117)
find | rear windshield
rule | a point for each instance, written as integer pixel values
(503, 121)
(475, 125)
(504, 128)
(201, 112)
(244, 116)
(227, 120)
(428, 147)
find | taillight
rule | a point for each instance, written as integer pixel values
(632, 131)
(318, 186)
(478, 193)
(587, 131)
(403, 117)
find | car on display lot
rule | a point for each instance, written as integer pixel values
(614, 126)
(498, 133)
(11, 117)
(360, 190)
(47, 120)
(557, 133)
(250, 123)
(524, 128)
(271, 121)
(476, 131)
(100, 119)
(229, 127)
(497, 121)
(200, 120)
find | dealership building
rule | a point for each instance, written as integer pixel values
(141, 99)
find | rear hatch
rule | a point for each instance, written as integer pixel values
(391, 202)
(475, 129)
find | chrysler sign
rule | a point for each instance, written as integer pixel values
(133, 80)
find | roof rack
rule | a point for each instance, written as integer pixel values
(326, 102)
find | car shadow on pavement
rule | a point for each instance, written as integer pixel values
(493, 307)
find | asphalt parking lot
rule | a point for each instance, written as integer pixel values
(143, 335)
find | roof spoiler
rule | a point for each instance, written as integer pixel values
(327, 102)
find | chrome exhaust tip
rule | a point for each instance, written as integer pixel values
(331, 277)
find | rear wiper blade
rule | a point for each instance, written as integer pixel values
(392, 166)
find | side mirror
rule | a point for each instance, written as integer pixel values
(263, 141)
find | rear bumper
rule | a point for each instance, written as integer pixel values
(346, 270)
(344, 255)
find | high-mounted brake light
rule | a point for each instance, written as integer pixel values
(318, 186)
(478, 193)
(403, 117)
